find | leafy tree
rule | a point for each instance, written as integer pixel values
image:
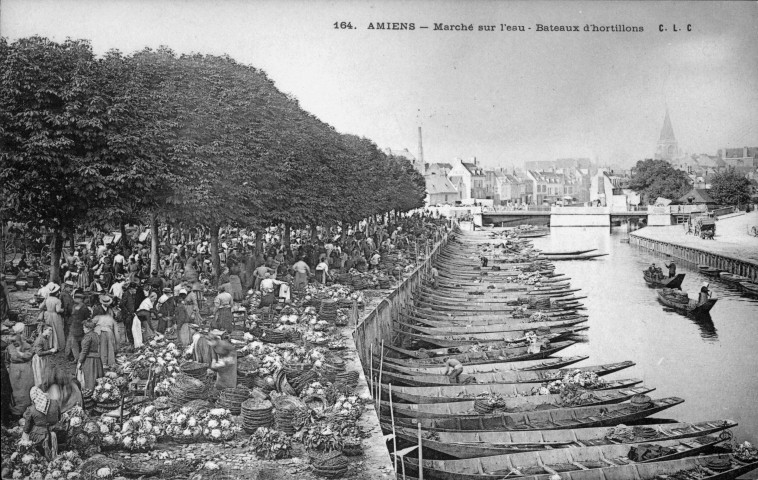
(657, 178)
(730, 188)
(73, 141)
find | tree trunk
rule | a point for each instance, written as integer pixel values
(215, 260)
(287, 237)
(314, 233)
(2, 243)
(55, 256)
(258, 242)
(155, 242)
(124, 240)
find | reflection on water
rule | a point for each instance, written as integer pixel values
(709, 360)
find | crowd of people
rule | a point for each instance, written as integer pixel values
(108, 301)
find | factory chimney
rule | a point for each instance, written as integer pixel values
(420, 152)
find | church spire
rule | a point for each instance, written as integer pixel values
(667, 148)
(667, 132)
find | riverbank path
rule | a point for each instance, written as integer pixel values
(732, 238)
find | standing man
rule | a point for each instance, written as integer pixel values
(672, 269)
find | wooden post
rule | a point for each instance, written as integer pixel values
(420, 455)
(394, 435)
(371, 367)
(381, 368)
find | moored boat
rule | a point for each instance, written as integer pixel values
(708, 270)
(453, 340)
(473, 408)
(475, 355)
(403, 366)
(513, 376)
(460, 393)
(485, 444)
(669, 282)
(604, 462)
(582, 417)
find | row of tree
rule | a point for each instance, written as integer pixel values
(191, 140)
(658, 178)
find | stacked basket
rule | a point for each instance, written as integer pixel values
(333, 366)
(640, 402)
(256, 414)
(328, 311)
(194, 369)
(232, 398)
(247, 371)
(330, 465)
(302, 381)
(288, 410)
(87, 402)
(237, 335)
(384, 282)
(187, 389)
(273, 336)
(348, 378)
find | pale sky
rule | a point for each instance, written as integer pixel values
(503, 97)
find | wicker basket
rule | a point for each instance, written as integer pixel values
(256, 414)
(232, 398)
(330, 465)
(194, 369)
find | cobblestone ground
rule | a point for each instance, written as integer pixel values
(732, 237)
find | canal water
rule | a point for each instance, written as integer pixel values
(711, 363)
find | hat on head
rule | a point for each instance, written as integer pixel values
(182, 291)
(167, 290)
(54, 288)
(78, 294)
(18, 327)
(216, 333)
(68, 283)
(106, 300)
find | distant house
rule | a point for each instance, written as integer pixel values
(697, 196)
(510, 189)
(470, 177)
(548, 187)
(440, 190)
(607, 190)
(743, 160)
(441, 169)
(405, 153)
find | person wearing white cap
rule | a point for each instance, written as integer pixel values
(52, 309)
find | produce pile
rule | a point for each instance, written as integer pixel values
(571, 380)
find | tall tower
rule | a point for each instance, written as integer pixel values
(420, 165)
(667, 148)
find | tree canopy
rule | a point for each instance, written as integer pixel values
(194, 139)
(730, 188)
(658, 178)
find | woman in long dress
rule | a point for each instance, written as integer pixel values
(42, 350)
(53, 308)
(107, 329)
(235, 287)
(183, 320)
(90, 366)
(222, 305)
(20, 371)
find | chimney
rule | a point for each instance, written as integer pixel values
(744, 152)
(420, 148)
(475, 161)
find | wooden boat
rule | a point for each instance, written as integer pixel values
(733, 278)
(475, 355)
(565, 460)
(514, 376)
(486, 444)
(582, 417)
(749, 287)
(503, 327)
(589, 256)
(421, 312)
(401, 366)
(691, 307)
(516, 404)
(461, 393)
(708, 270)
(450, 340)
(570, 252)
(673, 282)
(475, 323)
